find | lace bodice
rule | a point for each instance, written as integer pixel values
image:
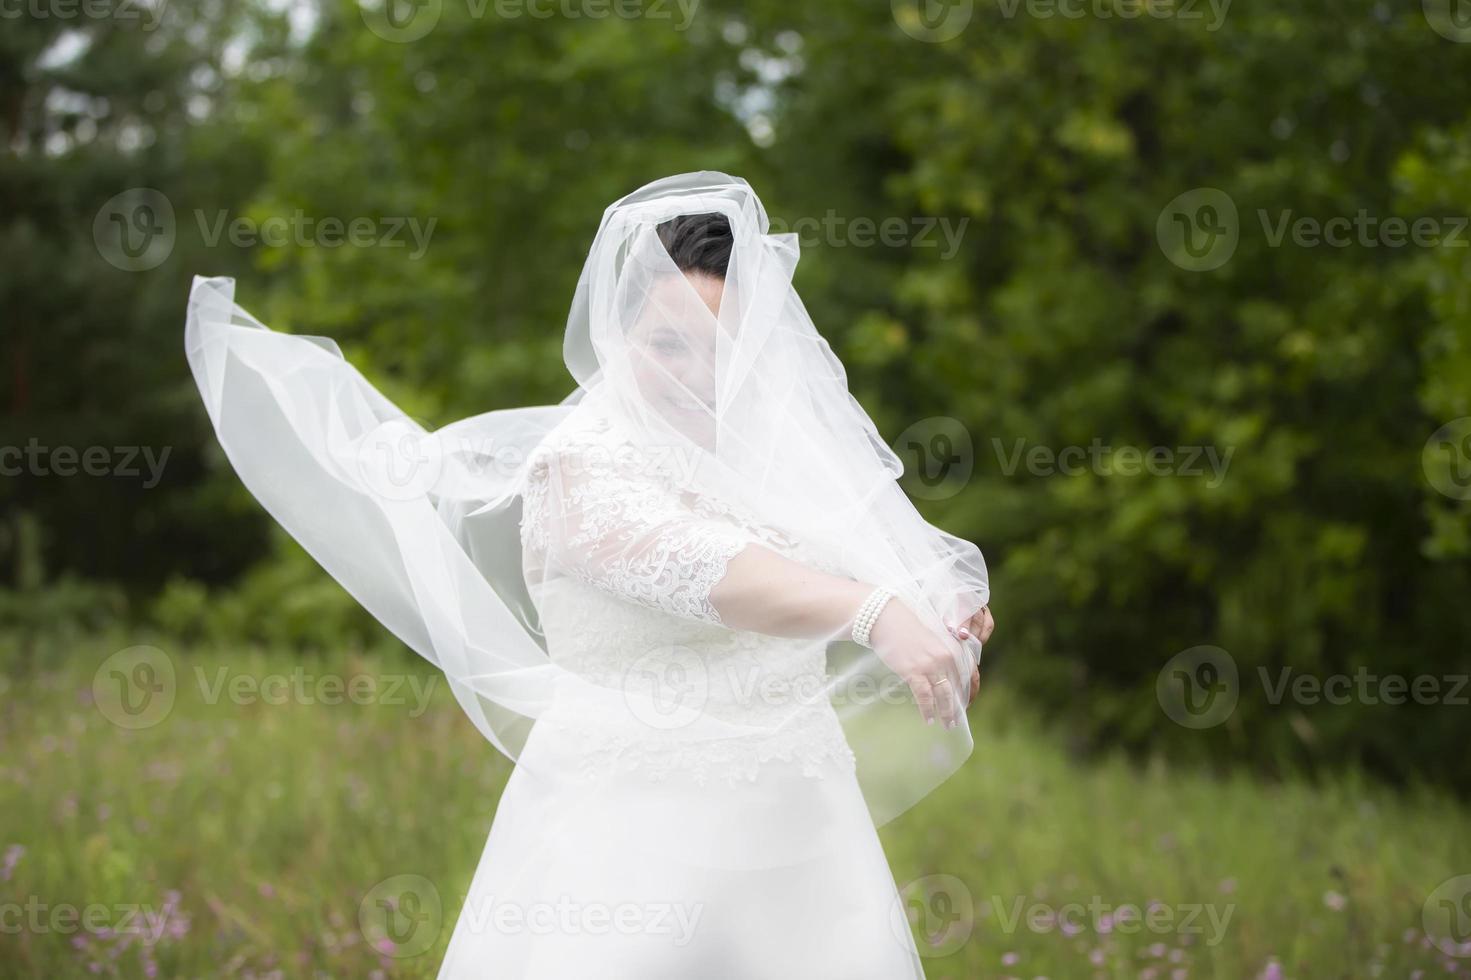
(621, 562)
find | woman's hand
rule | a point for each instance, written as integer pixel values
(979, 628)
(926, 660)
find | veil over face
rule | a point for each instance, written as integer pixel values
(736, 376)
(723, 419)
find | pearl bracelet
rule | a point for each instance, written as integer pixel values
(868, 615)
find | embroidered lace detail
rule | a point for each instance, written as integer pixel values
(814, 744)
(650, 578)
(600, 510)
(621, 560)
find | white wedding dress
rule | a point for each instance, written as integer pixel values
(690, 801)
(622, 851)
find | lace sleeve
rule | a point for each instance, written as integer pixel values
(606, 520)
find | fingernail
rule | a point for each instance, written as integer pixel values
(964, 633)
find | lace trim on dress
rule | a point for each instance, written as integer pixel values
(676, 574)
(599, 516)
(815, 744)
(655, 550)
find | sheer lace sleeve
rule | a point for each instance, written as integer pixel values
(609, 517)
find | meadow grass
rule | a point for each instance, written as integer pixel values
(240, 834)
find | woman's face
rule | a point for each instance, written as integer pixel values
(673, 344)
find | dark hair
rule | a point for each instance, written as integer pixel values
(698, 243)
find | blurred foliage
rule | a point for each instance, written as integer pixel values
(36, 610)
(1059, 322)
(267, 820)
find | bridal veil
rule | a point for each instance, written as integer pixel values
(738, 409)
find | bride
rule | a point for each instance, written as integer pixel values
(690, 601)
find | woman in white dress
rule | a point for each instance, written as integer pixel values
(690, 601)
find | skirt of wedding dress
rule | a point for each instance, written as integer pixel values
(620, 876)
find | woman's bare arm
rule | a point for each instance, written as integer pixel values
(765, 592)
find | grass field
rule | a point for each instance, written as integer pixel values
(240, 833)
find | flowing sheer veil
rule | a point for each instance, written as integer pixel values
(423, 528)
